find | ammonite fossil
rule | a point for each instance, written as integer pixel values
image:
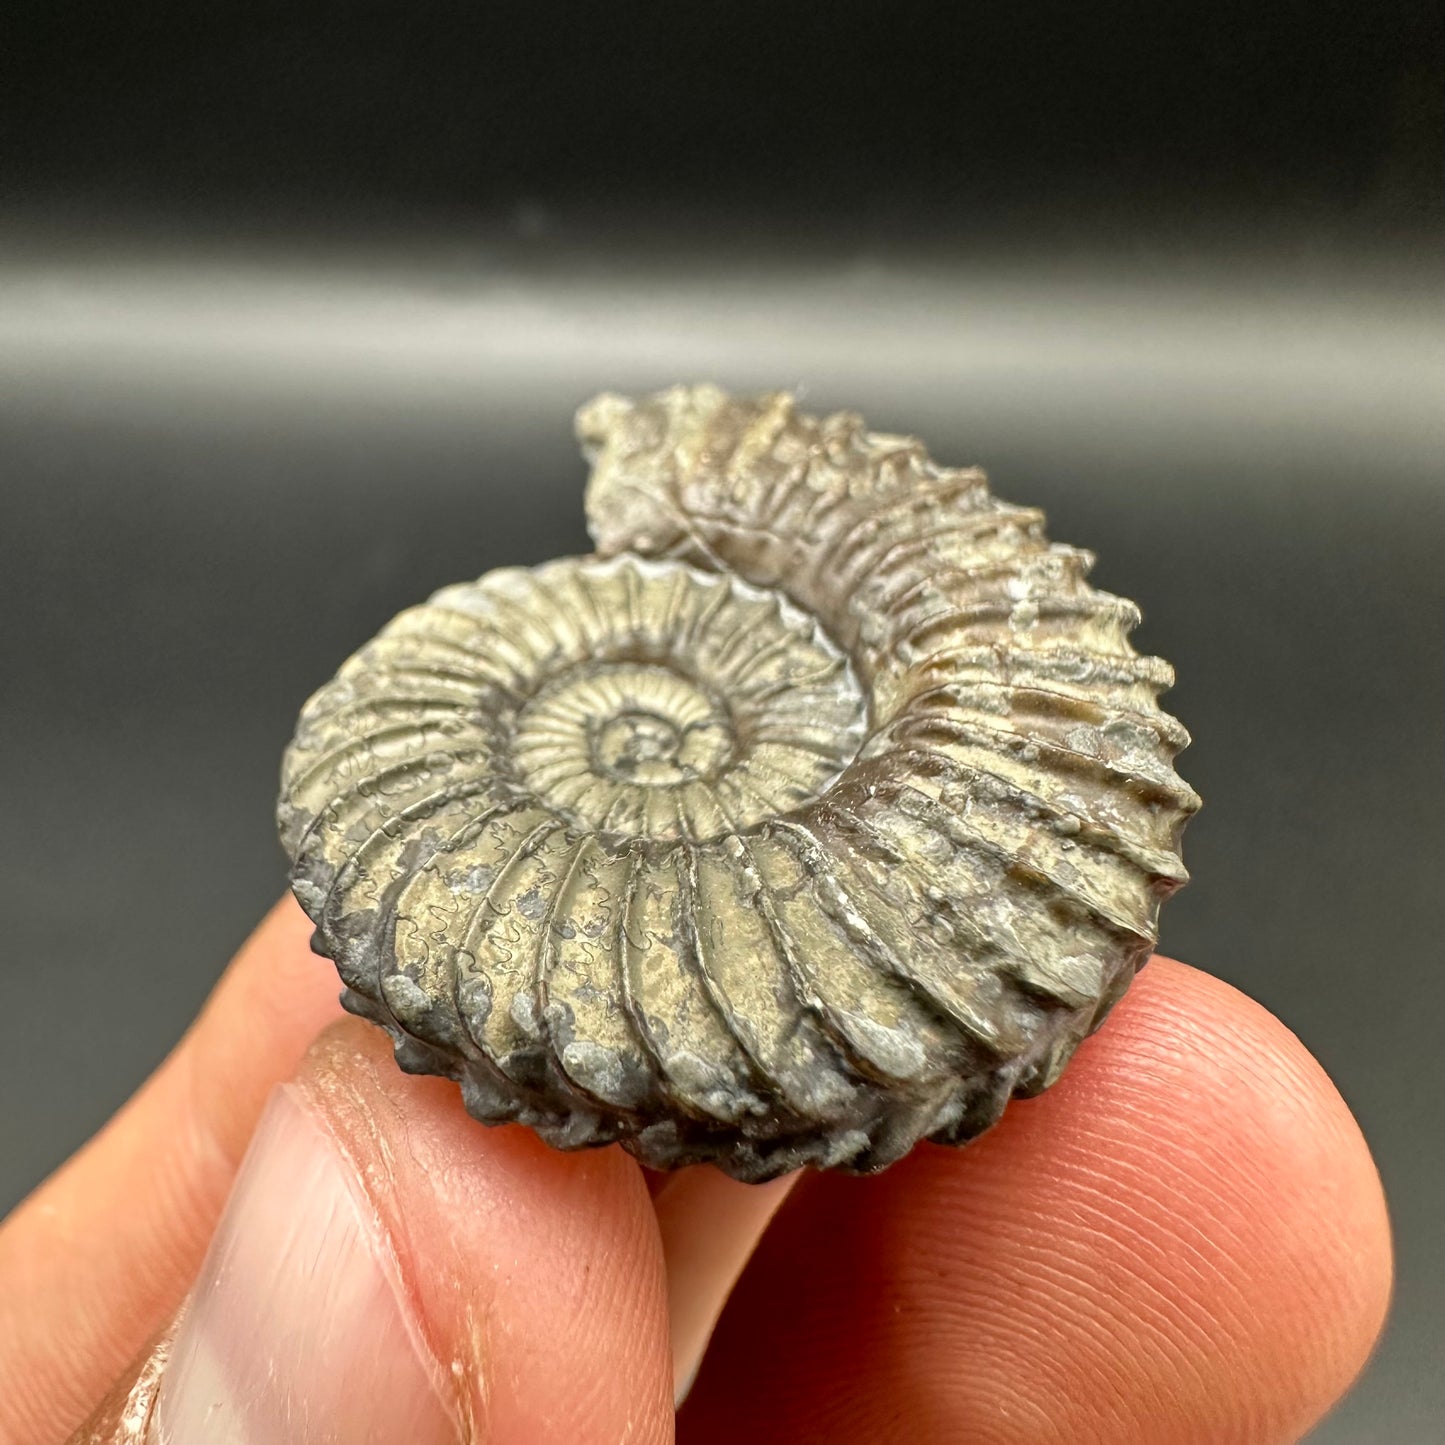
(820, 811)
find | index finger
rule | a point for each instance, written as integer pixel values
(1183, 1242)
(99, 1257)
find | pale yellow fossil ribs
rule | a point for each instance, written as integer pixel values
(823, 809)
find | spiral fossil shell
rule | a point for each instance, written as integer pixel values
(820, 811)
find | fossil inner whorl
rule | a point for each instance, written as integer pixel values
(823, 810)
(704, 709)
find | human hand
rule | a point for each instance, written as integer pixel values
(1183, 1243)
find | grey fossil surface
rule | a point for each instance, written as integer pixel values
(820, 811)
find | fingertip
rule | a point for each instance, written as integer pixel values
(1235, 1198)
(277, 972)
(1183, 1240)
(97, 1259)
(536, 1276)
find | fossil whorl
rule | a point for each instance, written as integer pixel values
(823, 809)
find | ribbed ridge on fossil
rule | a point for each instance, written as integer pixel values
(824, 809)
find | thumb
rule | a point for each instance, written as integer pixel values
(385, 1270)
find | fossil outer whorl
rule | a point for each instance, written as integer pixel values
(821, 811)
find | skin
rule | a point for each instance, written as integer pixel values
(1183, 1243)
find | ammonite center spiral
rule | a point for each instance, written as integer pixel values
(708, 708)
(821, 811)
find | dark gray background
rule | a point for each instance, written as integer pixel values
(295, 307)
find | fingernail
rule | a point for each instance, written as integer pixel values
(710, 1225)
(299, 1330)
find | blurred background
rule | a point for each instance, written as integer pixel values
(296, 302)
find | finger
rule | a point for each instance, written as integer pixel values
(98, 1258)
(123, 1416)
(709, 1226)
(1183, 1243)
(386, 1270)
